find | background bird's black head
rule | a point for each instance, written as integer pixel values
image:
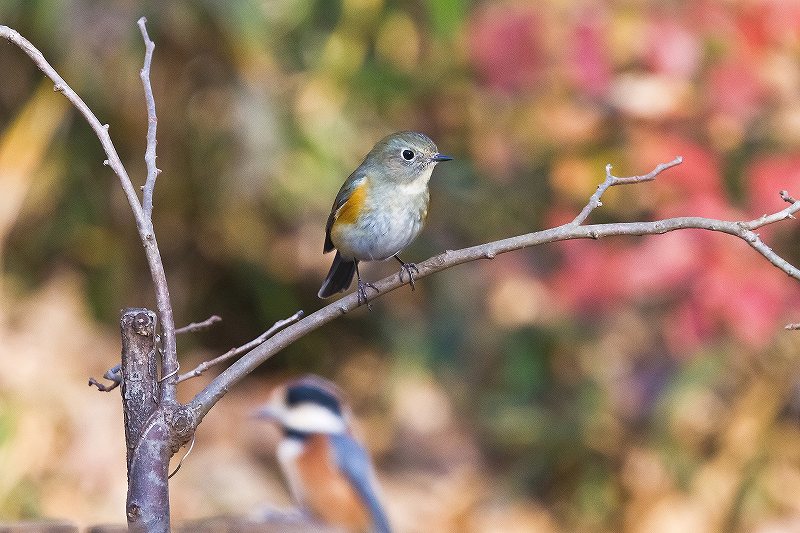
(307, 391)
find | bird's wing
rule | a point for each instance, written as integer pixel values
(353, 182)
(356, 466)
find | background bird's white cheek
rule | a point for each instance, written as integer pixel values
(312, 418)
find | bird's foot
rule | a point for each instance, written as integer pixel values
(362, 292)
(410, 269)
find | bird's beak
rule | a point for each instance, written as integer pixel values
(437, 157)
(268, 412)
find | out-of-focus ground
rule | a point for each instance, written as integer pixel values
(642, 385)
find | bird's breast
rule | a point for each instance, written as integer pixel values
(329, 494)
(391, 216)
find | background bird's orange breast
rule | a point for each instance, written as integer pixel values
(330, 496)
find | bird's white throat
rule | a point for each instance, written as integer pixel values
(420, 184)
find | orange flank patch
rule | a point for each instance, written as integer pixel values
(329, 495)
(351, 209)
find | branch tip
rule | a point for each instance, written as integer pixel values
(152, 122)
(611, 180)
(197, 326)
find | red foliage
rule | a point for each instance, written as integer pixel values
(768, 22)
(672, 49)
(735, 90)
(590, 66)
(699, 176)
(504, 47)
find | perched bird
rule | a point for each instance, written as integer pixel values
(329, 473)
(380, 209)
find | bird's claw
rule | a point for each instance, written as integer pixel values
(410, 269)
(362, 292)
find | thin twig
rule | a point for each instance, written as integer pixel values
(169, 361)
(233, 352)
(169, 356)
(152, 123)
(206, 398)
(113, 374)
(180, 463)
(198, 326)
(173, 373)
(611, 181)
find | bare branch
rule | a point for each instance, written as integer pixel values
(610, 181)
(233, 352)
(113, 374)
(169, 360)
(206, 398)
(198, 326)
(152, 122)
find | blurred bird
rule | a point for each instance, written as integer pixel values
(380, 209)
(329, 473)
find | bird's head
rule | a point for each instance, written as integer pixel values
(306, 406)
(403, 157)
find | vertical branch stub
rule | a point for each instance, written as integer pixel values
(140, 378)
(147, 434)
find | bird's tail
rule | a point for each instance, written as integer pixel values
(339, 278)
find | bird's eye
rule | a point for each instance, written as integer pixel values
(408, 155)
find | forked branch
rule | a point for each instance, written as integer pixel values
(169, 363)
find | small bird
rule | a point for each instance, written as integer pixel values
(380, 209)
(328, 471)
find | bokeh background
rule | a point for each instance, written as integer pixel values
(639, 384)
